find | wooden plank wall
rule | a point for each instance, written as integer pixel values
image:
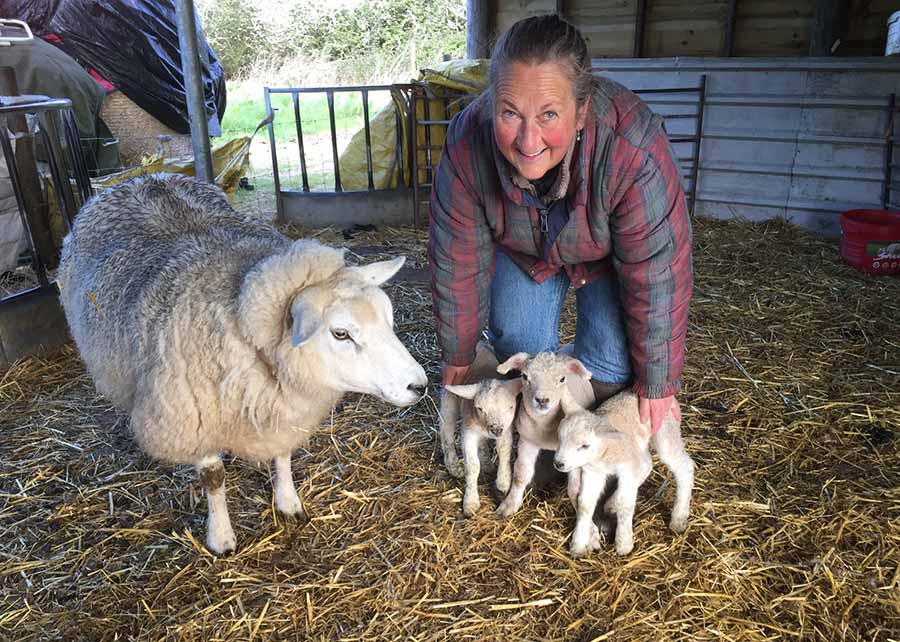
(698, 27)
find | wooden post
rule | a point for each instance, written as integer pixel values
(640, 19)
(477, 33)
(728, 40)
(829, 26)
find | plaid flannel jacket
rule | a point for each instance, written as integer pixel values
(625, 209)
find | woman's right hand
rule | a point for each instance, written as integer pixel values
(455, 375)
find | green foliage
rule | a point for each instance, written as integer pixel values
(314, 30)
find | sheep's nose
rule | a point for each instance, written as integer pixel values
(543, 402)
(559, 466)
(416, 388)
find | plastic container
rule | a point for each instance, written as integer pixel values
(871, 240)
(892, 48)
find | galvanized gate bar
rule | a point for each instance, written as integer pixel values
(695, 169)
(295, 98)
(368, 134)
(329, 95)
(279, 206)
(888, 151)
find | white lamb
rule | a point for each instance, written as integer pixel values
(613, 441)
(547, 378)
(218, 334)
(488, 412)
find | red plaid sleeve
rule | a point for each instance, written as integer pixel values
(651, 236)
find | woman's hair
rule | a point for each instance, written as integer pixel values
(541, 39)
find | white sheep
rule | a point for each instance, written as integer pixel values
(488, 411)
(218, 334)
(546, 377)
(613, 441)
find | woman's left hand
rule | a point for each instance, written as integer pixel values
(655, 410)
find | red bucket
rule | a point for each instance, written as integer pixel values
(871, 240)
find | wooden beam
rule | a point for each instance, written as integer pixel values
(730, 19)
(477, 37)
(640, 20)
(561, 8)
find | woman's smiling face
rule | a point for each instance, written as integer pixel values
(535, 116)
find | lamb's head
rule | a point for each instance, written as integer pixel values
(583, 437)
(345, 326)
(494, 402)
(544, 379)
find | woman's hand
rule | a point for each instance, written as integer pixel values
(455, 375)
(655, 410)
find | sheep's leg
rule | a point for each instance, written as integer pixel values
(219, 534)
(450, 406)
(504, 460)
(625, 500)
(287, 501)
(470, 442)
(586, 537)
(522, 475)
(668, 444)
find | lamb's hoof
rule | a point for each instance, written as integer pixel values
(290, 506)
(502, 485)
(624, 548)
(678, 523)
(596, 539)
(221, 542)
(579, 550)
(507, 508)
(470, 507)
(456, 468)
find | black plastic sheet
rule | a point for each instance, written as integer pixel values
(134, 45)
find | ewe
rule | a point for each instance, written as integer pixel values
(218, 334)
(488, 412)
(613, 441)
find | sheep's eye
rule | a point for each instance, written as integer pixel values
(524, 377)
(583, 447)
(340, 334)
(562, 379)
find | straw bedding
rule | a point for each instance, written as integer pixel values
(791, 413)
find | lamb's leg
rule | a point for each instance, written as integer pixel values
(470, 442)
(219, 534)
(287, 501)
(573, 486)
(625, 500)
(450, 406)
(668, 444)
(586, 537)
(504, 460)
(522, 475)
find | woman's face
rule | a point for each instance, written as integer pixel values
(535, 116)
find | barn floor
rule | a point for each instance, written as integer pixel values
(791, 413)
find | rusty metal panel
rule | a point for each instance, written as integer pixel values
(800, 138)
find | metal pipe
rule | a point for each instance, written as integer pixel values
(888, 152)
(270, 115)
(304, 175)
(193, 89)
(477, 13)
(368, 134)
(334, 150)
(696, 168)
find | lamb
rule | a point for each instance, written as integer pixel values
(218, 334)
(488, 412)
(613, 441)
(547, 378)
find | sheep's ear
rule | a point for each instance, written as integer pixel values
(380, 272)
(466, 392)
(515, 362)
(305, 321)
(515, 385)
(569, 405)
(575, 367)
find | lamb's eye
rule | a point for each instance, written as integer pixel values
(524, 377)
(340, 334)
(583, 447)
(562, 379)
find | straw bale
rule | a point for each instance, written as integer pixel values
(791, 412)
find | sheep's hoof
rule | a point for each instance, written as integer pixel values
(507, 508)
(678, 523)
(455, 467)
(624, 548)
(290, 505)
(502, 484)
(221, 541)
(470, 507)
(596, 539)
(579, 550)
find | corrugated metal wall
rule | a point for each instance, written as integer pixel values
(697, 28)
(800, 138)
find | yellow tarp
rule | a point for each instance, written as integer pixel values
(450, 86)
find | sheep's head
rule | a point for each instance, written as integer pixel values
(494, 402)
(544, 379)
(583, 438)
(341, 333)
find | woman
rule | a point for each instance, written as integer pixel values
(555, 177)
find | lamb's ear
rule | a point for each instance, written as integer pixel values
(515, 362)
(607, 440)
(569, 405)
(380, 272)
(575, 367)
(305, 321)
(514, 385)
(467, 391)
